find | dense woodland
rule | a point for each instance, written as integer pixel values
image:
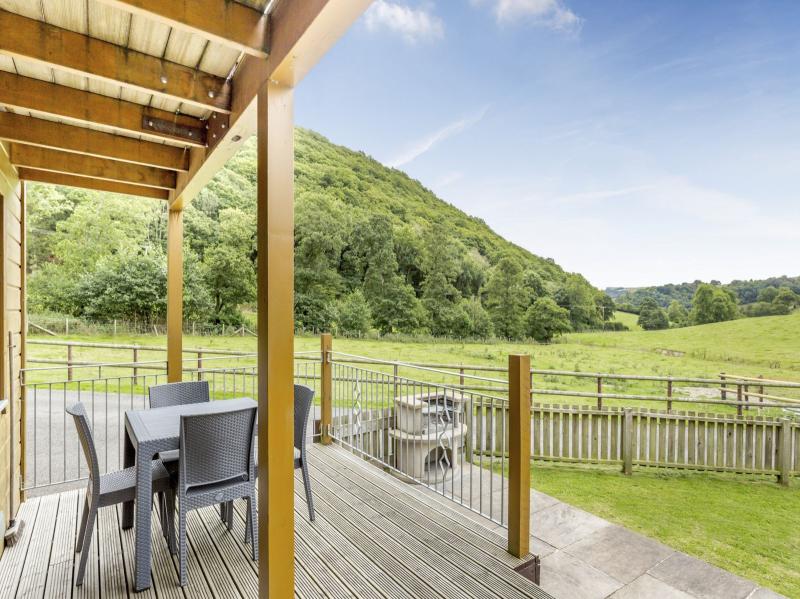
(374, 252)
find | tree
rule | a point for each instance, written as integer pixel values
(577, 296)
(354, 316)
(786, 300)
(545, 319)
(677, 313)
(506, 298)
(439, 296)
(480, 324)
(768, 294)
(713, 304)
(605, 306)
(653, 317)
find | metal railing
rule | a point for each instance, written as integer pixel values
(52, 455)
(423, 433)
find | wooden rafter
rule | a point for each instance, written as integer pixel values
(44, 159)
(301, 32)
(223, 21)
(28, 174)
(24, 93)
(77, 53)
(58, 136)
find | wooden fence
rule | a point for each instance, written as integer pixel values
(639, 437)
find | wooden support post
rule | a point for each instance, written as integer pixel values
(739, 399)
(669, 396)
(326, 346)
(175, 296)
(785, 455)
(761, 392)
(722, 386)
(396, 372)
(599, 393)
(627, 442)
(69, 362)
(199, 366)
(275, 198)
(135, 361)
(519, 456)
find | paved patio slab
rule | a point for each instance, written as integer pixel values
(701, 579)
(651, 588)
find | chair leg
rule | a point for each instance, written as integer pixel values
(223, 511)
(309, 498)
(86, 545)
(182, 553)
(170, 501)
(252, 526)
(82, 529)
(230, 513)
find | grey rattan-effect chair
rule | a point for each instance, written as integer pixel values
(217, 465)
(177, 394)
(303, 398)
(112, 488)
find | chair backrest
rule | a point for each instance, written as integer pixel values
(303, 398)
(179, 394)
(217, 448)
(78, 413)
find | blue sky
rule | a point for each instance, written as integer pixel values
(636, 142)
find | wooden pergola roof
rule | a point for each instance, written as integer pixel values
(147, 97)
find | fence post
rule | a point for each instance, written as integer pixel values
(722, 386)
(627, 442)
(669, 396)
(135, 361)
(785, 456)
(396, 372)
(199, 366)
(69, 362)
(326, 346)
(739, 399)
(519, 455)
(761, 390)
(599, 393)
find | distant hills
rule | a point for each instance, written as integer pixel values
(747, 291)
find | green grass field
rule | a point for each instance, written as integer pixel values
(746, 525)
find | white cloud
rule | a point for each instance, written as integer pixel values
(553, 14)
(413, 24)
(425, 144)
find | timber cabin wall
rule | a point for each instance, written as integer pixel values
(12, 273)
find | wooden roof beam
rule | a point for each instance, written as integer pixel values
(222, 21)
(68, 163)
(28, 174)
(301, 32)
(24, 93)
(58, 136)
(63, 49)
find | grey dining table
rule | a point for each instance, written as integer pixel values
(147, 433)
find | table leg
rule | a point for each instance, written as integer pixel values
(129, 459)
(144, 501)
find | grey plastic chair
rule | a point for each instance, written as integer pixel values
(115, 487)
(303, 399)
(177, 394)
(217, 465)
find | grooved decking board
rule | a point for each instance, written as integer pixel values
(374, 536)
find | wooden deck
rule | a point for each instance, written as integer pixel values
(374, 536)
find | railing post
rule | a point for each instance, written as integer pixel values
(327, 388)
(519, 456)
(784, 455)
(627, 442)
(739, 399)
(396, 372)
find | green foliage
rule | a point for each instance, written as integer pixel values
(506, 298)
(374, 249)
(652, 317)
(678, 314)
(713, 304)
(545, 319)
(354, 315)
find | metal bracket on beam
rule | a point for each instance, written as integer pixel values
(183, 132)
(216, 128)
